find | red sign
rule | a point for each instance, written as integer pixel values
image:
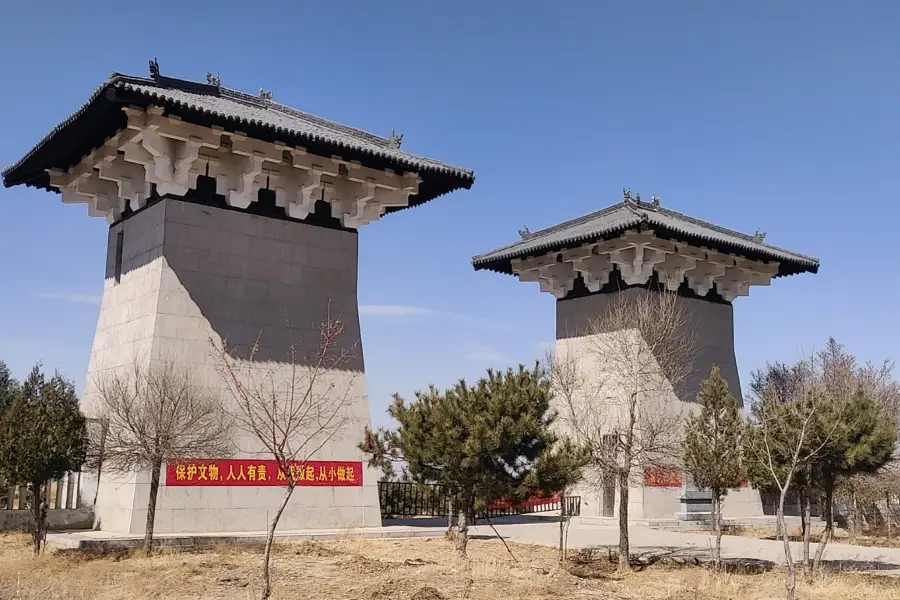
(251, 472)
(662, 477)
(533, 501)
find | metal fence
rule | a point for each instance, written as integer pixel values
(409, 499)
(62, 493)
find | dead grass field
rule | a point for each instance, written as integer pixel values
(877, 539)
(413, 569)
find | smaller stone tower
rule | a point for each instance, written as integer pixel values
(636, 248)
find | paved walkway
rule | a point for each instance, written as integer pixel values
(581, 535)
(644, 539)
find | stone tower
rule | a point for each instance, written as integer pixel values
(625, 252)
(231, 216)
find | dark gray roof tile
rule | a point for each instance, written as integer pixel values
(613, 220)
(100, 116)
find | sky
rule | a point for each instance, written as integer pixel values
(767, 115)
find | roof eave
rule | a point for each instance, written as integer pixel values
(110, 96)
(502, 263)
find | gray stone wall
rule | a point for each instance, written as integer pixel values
(191, 273)
(712, 323)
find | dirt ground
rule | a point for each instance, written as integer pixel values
(412, 569)
(872, 538)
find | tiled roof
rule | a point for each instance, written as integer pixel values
(613, 220)
(237, 111)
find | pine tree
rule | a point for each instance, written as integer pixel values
(42, 436)
(866, 443)
(8, 387)
(481, 443)
(713, 446)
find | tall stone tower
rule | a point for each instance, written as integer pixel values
(231, 216)
(625, 252)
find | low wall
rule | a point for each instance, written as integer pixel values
(57, 519)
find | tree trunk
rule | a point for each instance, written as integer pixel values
(562, 527)
(100, 455)
(791, 584)
(829, 524)
(854, 516)
(801, 500)
(807, 526)
(462, 529)
(270, 541)
(452, 517)
(151, 506)
(717, 519)
(888, 517)
(624, 553)
(39, 512)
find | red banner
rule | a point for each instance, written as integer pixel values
(252, 472)
(662, 477)
(533, 501)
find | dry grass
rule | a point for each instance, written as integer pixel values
(873, 538)
(413, 569)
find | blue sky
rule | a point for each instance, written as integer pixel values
(770, 115)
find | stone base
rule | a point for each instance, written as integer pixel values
(694, 516)
(180, 274)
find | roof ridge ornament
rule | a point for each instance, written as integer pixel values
(627, 197)
(395, 140)
(759, 236)
(154, 68)
(525, 233)
(265, 95)
(655, 200)
(215, 80)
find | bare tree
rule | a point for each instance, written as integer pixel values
(153, 413)
(615, 388)
(293, 409)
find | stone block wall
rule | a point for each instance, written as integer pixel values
(713, 328)
(190, 273)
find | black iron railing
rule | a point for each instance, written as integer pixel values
(409, 499)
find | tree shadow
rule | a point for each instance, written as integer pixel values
(844, 566)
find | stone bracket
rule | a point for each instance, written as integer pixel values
(164, 151)
(637, 256)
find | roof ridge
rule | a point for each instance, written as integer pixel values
(302, 114)
(696, 221)
(554, 228)
(727, 231)
(196, 87)
(191, 86)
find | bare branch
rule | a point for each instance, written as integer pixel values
(154, 412)
(292, 409)
(615, 386)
